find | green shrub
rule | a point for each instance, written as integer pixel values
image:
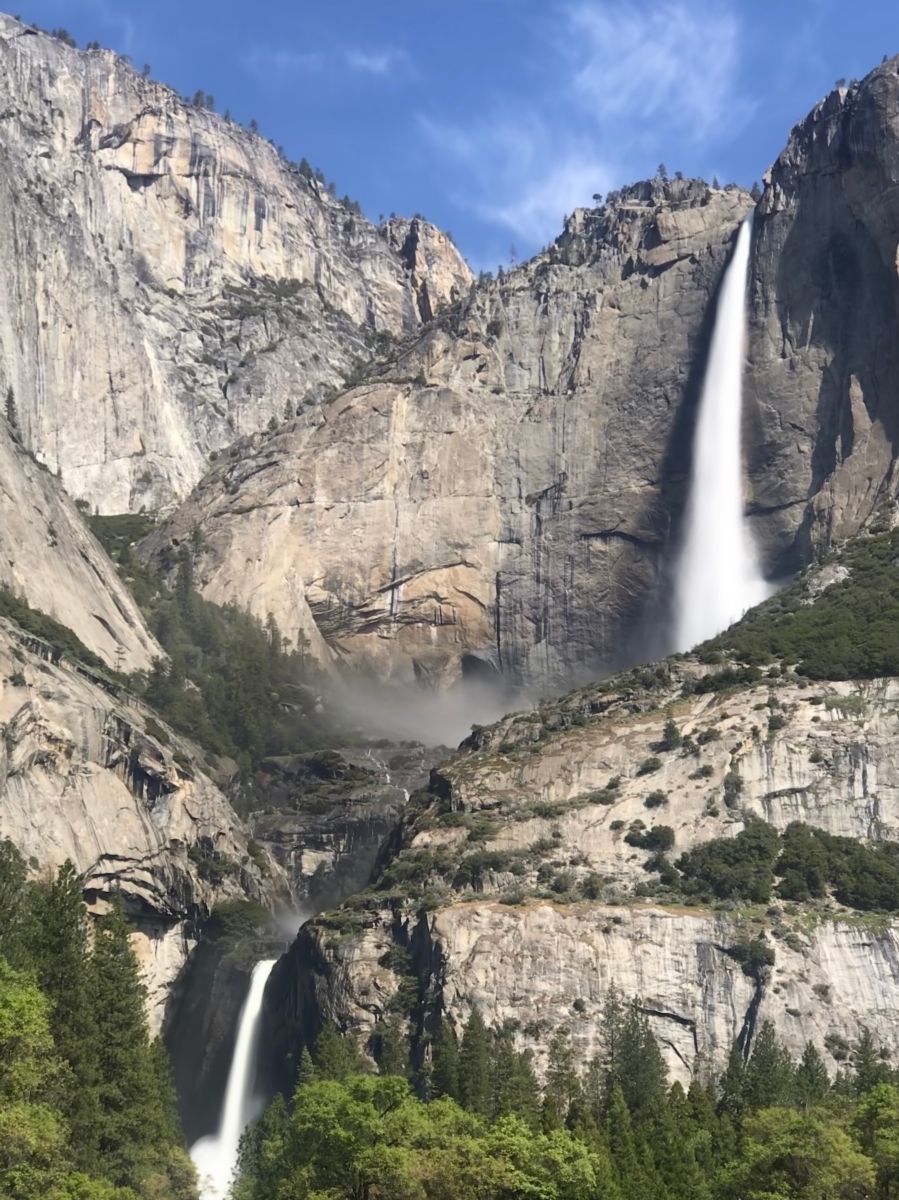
(656, 799)
(659, 837)
(849, 631)
(649, 765)
(671, 736)
(741, 867)
(753, 954)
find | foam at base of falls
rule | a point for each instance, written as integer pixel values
(718, 576)
(215, 1157)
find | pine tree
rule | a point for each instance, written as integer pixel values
(306, 1071)
(474, 1066)
(135, 1119)
(515, 1087)
(13, 875)
(733, 1083)
(641, 1069)
(12, 415)
(868, 1067)
(594, 1088)
(393, 1057)
(812, 1082)
(673, 1141)
(58, 941)
(562, 1089)
(769, 1072)
(336, 1056)
(613, 1014)
(623, 1149)
(445, 1073)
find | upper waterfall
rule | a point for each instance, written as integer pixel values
(216, 1157)
(718, 576)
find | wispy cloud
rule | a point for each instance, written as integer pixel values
(519, 172)
(624, 84)
(673, 65)
(263, 62)
(376, 62)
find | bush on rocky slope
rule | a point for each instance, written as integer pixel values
(847, 630)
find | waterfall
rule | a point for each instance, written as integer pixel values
(215, 1157)
(718, 576)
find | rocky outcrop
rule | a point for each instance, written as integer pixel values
(538, 966)
(89, 775)
(436, 272)
(514, 483)
(171, 282)
(503, 483)
(49, 558)
(485, 902)
(328, 814)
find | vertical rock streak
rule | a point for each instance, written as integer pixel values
(718, 576)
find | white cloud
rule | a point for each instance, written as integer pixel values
(625, 86)
(375, 62)
(520, 173)
(673, 64)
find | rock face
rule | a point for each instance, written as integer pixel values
(49, 558)
(513, 484)
(330, 813)
(502, 484)
(823, 374)
(171, 282)
(89, 776)
(530, 815)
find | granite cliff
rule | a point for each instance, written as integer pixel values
(89, 775)
(172, 282)
(513, 481)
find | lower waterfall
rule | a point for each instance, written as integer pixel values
(215, 1157)
(718, 576)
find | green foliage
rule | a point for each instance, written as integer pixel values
(86, 1102)
(659, 838)
(649, 765)
(62, 640)
(862, 877)
(849, 631)
(615, 1131)
(230, 682)
(739, 867)
(671, 736)
(790, 1155)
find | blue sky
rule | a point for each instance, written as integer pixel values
(496, 117)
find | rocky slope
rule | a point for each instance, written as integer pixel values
(172, 283)
(517, 833)
(514, 482)
(544, 864)
(48, 557)
(88, 775)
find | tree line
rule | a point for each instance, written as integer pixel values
(476, 1125)
(87, 1107)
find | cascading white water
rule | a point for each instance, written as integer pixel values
(216, 1157)
(718, 576)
